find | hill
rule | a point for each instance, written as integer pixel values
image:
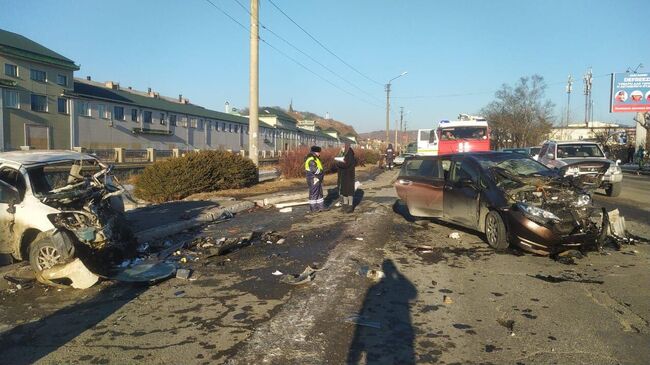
(381, 135)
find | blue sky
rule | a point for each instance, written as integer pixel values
(464, 48)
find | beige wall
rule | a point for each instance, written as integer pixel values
(16, 119)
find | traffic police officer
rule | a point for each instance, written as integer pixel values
(315, 175)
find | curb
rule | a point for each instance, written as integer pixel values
(635, 172)
(206, 217)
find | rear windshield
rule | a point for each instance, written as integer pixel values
(451, 134)
(579, 150)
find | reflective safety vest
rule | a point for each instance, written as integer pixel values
(319, 164)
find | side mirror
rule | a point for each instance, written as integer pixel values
(618, 162)
(550, 156)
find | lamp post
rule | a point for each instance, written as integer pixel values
(388, 104)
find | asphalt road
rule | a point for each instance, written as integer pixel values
(458, 303)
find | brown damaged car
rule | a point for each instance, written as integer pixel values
(511, 198)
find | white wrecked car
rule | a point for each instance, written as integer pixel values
(58, 205)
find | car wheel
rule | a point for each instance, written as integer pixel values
(614, 190)
(495, 231)
(48, 250)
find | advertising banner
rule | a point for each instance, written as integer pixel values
(630, 93)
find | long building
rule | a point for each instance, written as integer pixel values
(42, 106)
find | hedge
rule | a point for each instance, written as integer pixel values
(197, 172)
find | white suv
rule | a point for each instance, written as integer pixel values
(575, 158)
(55, 205)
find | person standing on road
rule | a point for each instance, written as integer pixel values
(630, 153)
(347, 170)
(390, 156)
(315, 176)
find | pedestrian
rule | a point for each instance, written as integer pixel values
(630, 153)
(390, 156)
(347, 181)
(315, 175)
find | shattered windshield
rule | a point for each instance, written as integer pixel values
(514, 164)
(579, 150)
(48, 178)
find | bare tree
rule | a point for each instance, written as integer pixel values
(644, 120)
(519, 116)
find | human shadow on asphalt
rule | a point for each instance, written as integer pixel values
(28, 343)
(331, 197)
(358, 197)
(386, 304)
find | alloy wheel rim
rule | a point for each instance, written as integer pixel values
(48, 256)
(491, 230)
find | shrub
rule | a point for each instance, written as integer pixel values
(198, 172)
(367, 156)
(292, 164)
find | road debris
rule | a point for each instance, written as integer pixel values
(419, 246)
(372, 274)
(447, 299)
(297, 279)
(286, 210)
(75, 271)
(359, 238)
(360, 321)
(183, 274)
(454, 235)
(290, 204)
(507, 323)
(277, 273)
(574, 277)
(146, 272)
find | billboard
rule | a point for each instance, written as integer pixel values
(630, 93)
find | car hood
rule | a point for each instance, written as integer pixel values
(581, 160)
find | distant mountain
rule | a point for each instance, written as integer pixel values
(381, 135)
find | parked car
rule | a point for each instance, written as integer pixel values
(399, 160)
(566, 154)
(57, 205)
(526, 151)
(508, 196)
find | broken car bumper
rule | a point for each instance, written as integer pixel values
(541, 240)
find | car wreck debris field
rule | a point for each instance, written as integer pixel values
(396, 282)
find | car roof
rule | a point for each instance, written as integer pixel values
(27, 158)
(574, 142)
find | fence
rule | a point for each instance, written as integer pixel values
(136, 156)
(106, 155)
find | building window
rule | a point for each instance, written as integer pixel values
(62, 80)
(193, 123)
(236, 128)
(184, 122)
(118, 112)
(11, 70)
(39, 103)
(62, 105)
(11, 99)
(172, 119)
(229, 127)
(147, 116)
(37, 75)
(134, 115)
(162, 119)
(85, 109)
(223, 126)
(200, 125)
(101, 111)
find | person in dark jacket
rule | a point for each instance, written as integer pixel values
(347, 180)
(630, 153)
(315, 175)
(390, 156)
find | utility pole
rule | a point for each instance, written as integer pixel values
(569, 88)
(254, 94)
(387, 111)
(401, 123)
(587, 84)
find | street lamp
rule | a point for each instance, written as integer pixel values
(388, 103)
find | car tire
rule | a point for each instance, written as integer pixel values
(496, 232)
(50, 249)
(614, 190)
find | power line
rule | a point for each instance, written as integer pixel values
(291, 58)
(323, 46)
(308, 55)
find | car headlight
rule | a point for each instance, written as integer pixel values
(536, 214)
